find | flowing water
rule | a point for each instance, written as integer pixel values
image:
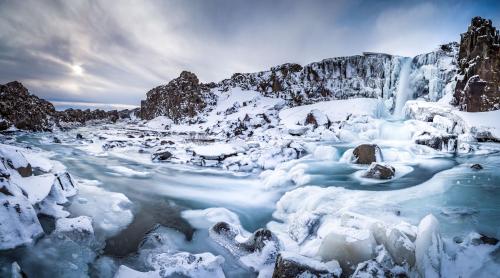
(160, 191)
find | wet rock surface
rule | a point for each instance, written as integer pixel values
(366, 153)
(478, 85)
(380, 171)
(298, 266)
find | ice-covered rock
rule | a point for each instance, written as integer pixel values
(380, 171)
(255, 251)
(293, 265)
(206, 218)
(349, 246)
(380, 267)
(78, 229)
(428, 247)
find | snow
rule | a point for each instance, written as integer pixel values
(482, 120)
(37, 187)
(335, 110)
(206, 218)
(110, 211)
(81, 224)
(214, 150)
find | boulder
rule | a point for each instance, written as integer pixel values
(366, 153)
(440, 142)
(293, 265)
(478, 82)
(161, 156)
(476, 166)
(380, 171)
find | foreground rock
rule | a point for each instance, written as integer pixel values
(478, 85)
(292, 265)
(380, 171)
(367, 154)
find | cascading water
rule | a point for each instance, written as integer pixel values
(403, 92)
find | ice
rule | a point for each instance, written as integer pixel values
(325, 153)
(110, 211)
(428, 247)
(349, 246)
(335, 110)
(81, 224)
(36, 187)
(206, 218)
(19, 224)
(214, 150)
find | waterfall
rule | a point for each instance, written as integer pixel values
(403, 92)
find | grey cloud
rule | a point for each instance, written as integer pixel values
(125, 48)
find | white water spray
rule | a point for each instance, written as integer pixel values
(404, 92)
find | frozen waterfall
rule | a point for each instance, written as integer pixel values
(404, 91)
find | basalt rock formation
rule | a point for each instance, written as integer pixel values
(25, 111)
(184, 97)
(478, 84)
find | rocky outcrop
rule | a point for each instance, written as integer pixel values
(478, 85)
(26, 111)
(183, 97)
(380, 171)
(292, 265)
(366, 154)
(23, 110)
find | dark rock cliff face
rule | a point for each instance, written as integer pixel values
(183, 97)
(372, 75)
(23, 110)
(478, 85)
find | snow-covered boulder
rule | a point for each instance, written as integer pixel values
(255, 251)
(380, 171)
(349, 246)
(293, 265)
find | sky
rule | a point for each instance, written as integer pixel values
(115, 51)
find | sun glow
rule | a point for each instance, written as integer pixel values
(77, 69)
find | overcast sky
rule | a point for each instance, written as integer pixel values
(115, 51)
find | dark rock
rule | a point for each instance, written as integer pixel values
(161, 156)
(379, 171)
(166, 142)
(23, 110)
(476, 166)
(442, 142)
(56, 140)
(366, 153)
(478, 85)
(114, 144)
(311, 120)
(79, 136)
(297, 266)
(181, 98)
(25, 171)
(488, 240)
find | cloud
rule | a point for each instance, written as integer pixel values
(114, 52)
